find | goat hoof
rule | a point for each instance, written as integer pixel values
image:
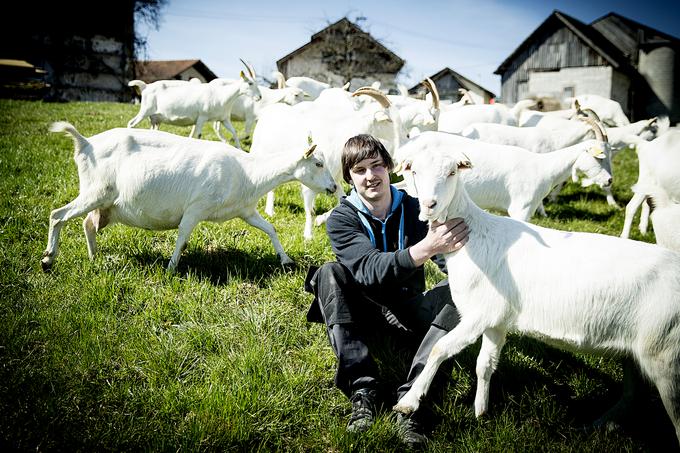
(406, 410)
(46, 265)
(287, 262)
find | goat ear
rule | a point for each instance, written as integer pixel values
(309, 151)
(464, 163)
(243, 76)
(596, 152)
(652, 121)
(346, 86)
(381, 116)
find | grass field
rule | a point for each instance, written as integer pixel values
(116, 354)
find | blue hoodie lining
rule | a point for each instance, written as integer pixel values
(397, 198)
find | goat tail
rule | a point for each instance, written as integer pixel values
(79, 141)
(138, 84)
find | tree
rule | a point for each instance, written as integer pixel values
(149, 12)
(349, 51)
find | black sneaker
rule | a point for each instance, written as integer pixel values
(410, 430)
(363, 410)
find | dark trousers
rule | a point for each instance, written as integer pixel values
(349, 313)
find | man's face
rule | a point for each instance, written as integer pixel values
(371, 179)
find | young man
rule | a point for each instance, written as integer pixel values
(378, 280)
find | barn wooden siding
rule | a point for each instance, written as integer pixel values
(554, 50)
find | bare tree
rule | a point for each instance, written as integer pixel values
(349, 51)
(149, 12)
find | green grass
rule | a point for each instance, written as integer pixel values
(117, 354)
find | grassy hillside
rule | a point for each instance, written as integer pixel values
(117, 354)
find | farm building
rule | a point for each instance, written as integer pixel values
(340, 53)
(448, 83)
(153, 70)
(614, 57)
(82, 59)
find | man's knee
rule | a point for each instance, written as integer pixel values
(330, 278)
(333, 270)
(334, 287)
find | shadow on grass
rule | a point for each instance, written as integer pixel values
(565, 210)
(542, 388)
(563, 393)
(220, 265)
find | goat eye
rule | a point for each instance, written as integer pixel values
(452, 173)
(319, 165)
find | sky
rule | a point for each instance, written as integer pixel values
(471, 38)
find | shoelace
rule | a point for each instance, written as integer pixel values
(362, 406)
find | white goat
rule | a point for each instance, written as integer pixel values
(543, 139)
(418, 115)
(471, 97)
(621, 137)
(160, 181)
(665, 216)
(140, 85)
(628, 135)
(193, 104)
(310, 86)
(455, 120)
(659, 173)
(534, 139)
(530, 118)
(510, 178)
(609, 111)
(247, 109)
(579, 291)
(331, 120)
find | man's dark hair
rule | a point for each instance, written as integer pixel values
(360, 147)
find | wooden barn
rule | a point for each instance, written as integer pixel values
(613, 56)
(448, 83)
(153, 70)
(340, 53)
(89, 59)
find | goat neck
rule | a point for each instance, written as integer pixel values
(267, 172)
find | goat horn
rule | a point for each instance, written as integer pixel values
(590, 113)
(309, 151)
(250, 69)
(429, 84)
(375, 94)
(597, 128)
